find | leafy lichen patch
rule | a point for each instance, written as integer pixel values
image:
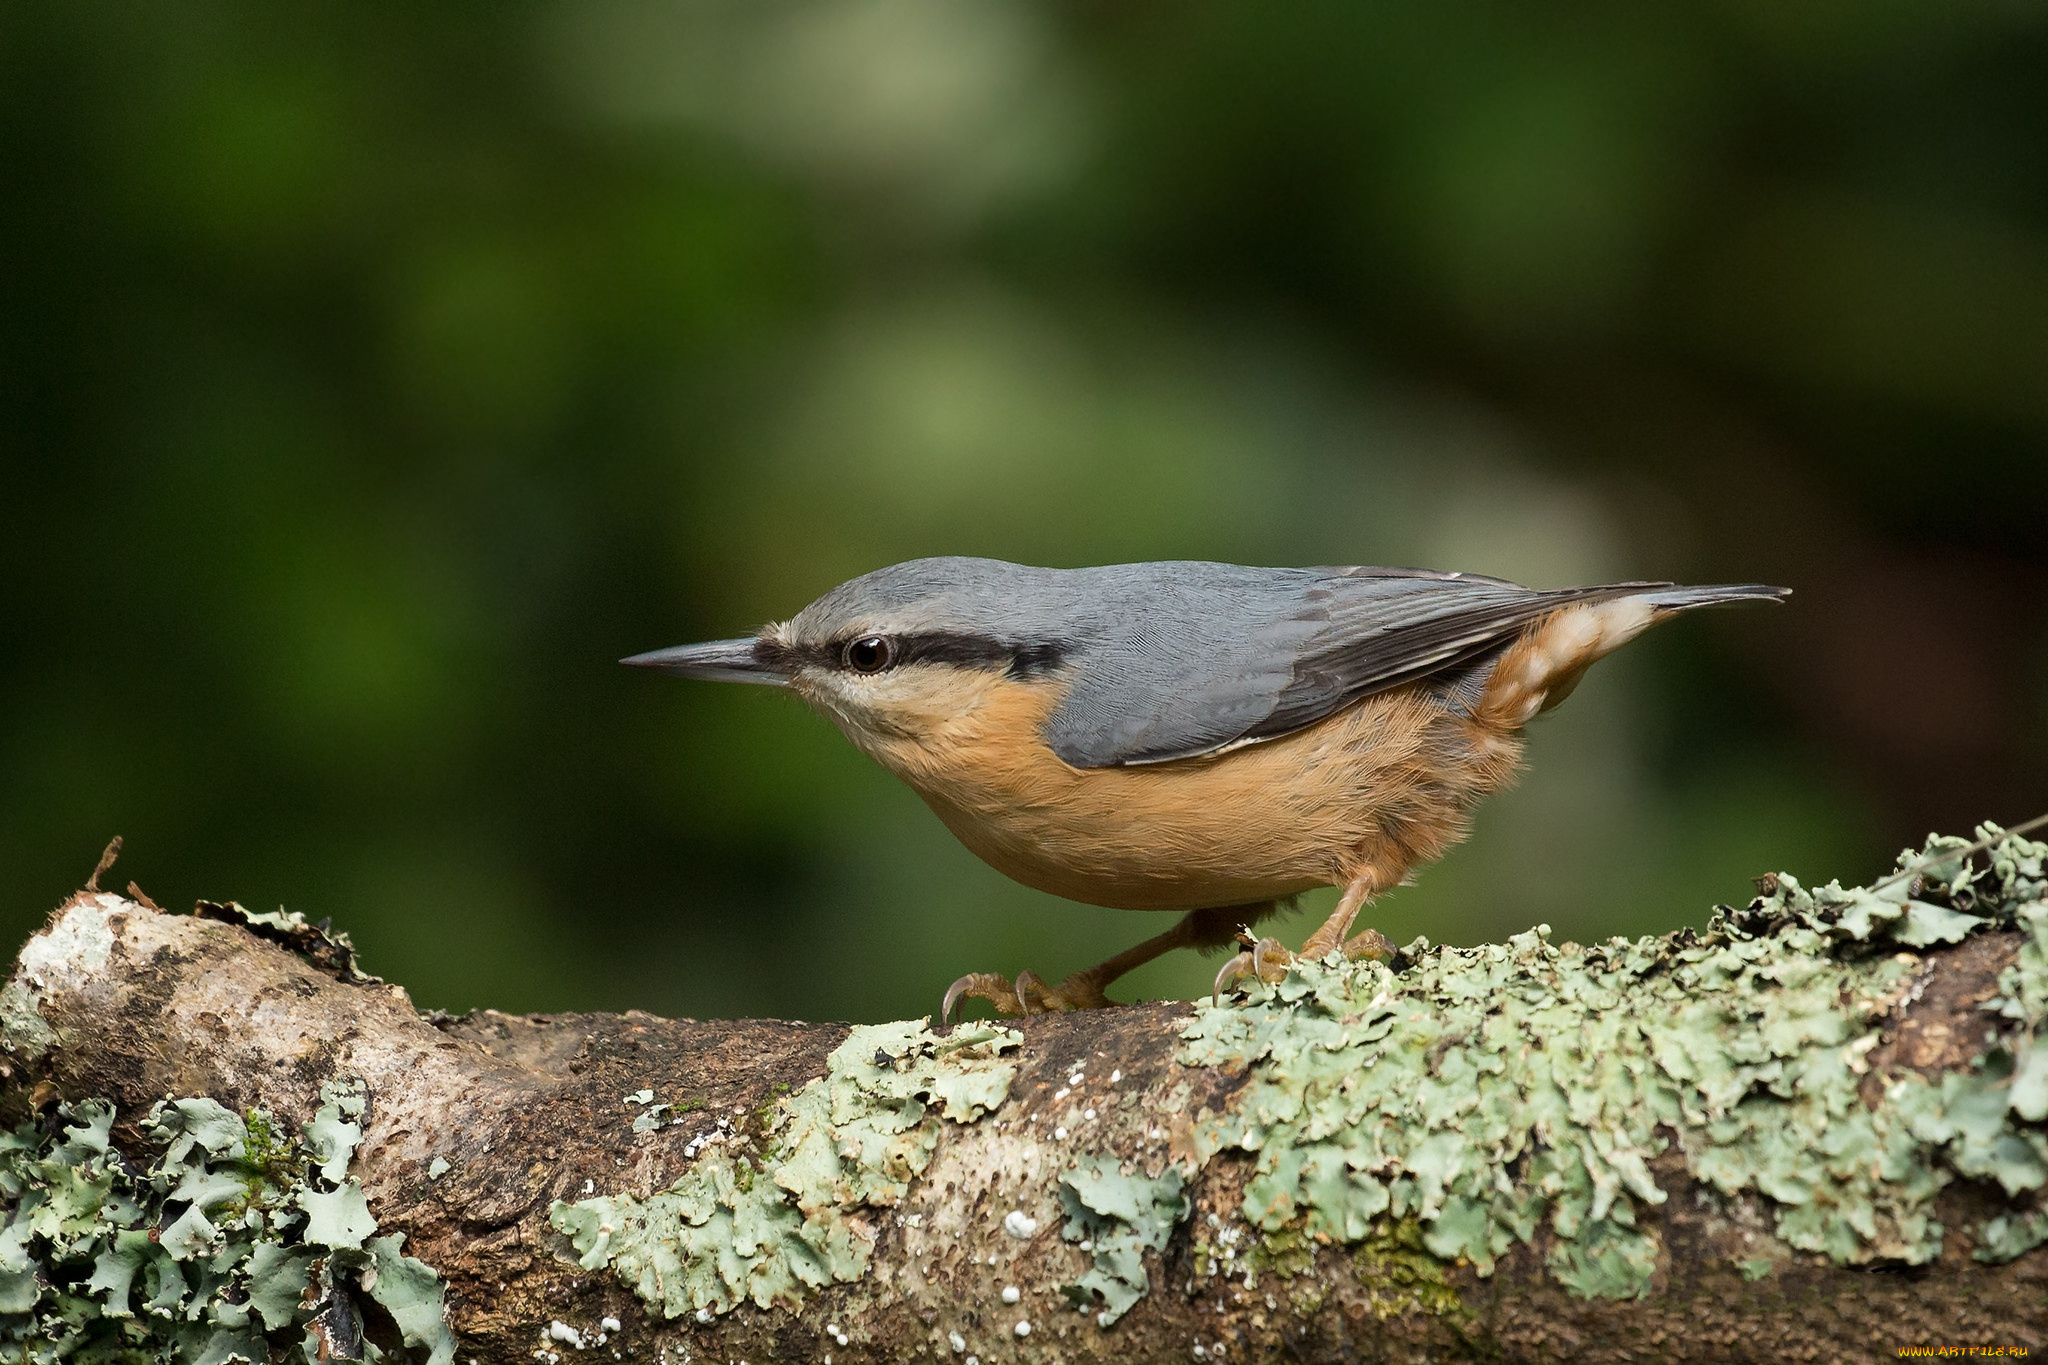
(1117, 1215)
(237, 1241)
(768, 1222)
(1516, 1092)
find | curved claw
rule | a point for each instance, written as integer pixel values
(1031, 992)
(1232, 970)
(1267, 960)
(989, 986)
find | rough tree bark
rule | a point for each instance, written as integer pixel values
(476, 1127)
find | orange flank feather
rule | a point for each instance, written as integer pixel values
(1384, 785)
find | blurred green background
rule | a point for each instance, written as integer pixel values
(373, 377)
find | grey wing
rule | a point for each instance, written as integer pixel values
(1180, 660)
(1415, 626)
(1260, 661)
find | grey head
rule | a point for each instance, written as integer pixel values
(1155, 661)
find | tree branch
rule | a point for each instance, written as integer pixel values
(1813, 1130)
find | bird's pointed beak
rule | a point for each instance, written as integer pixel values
(741, 661)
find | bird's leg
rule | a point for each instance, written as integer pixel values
(1338, 925)
(1029, 994)
(1268, 959)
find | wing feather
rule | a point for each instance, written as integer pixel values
(1228, 656)
(1375, 646)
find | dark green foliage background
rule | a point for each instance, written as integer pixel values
(372, 377)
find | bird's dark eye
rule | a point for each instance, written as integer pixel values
(870, 653)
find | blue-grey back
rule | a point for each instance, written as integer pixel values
(1172, 659)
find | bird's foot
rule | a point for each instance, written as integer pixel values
(1268, 959)
(1028, 994)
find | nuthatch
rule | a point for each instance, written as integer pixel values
(1206, 738)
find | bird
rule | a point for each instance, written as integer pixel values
(1204, 738)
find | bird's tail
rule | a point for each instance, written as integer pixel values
(1540, 670)
(1664, 600)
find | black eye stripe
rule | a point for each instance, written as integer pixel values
(966, 651)
(958, 649)
(788, 658)
(1030, 661)
(979, 651)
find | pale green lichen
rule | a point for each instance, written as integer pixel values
(1117, 1216)
(1490, 1092)
(206, 1253)
(765, 1219)
(78, 941)
(22, 1030)
(2010, 1236)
